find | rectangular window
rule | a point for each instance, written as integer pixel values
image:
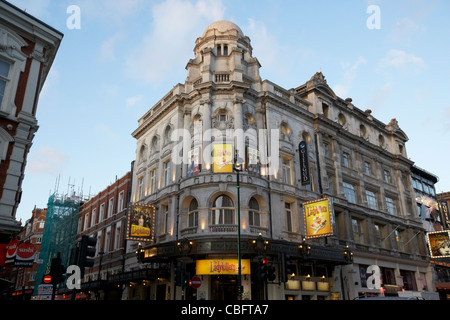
(117, 241)
(371, 199)
(286, 170)
(165, 212)
(111, 207)
(357, 229)
(152, 186)
(346, 160)
(140, 189)
(94, 217)
(101, 216)
(379, 238)
(4, 78)
(349, 192)
(367, 168)
(166, 169)
(120, 202)
(288, 210)
(390, 205)
(387, 176)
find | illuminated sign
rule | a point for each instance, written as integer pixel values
(141, 222)
(223, 158)
(318, 218)
(304, 165)
(222, 267)
(439, 244)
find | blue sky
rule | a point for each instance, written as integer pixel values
(127, 55)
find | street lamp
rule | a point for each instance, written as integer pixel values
(238, 168)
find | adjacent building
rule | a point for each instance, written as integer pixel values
(33, 233)
(27, 50)
(104, 216)
(229, 166)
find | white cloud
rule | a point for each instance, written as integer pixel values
(175, 25)
(107, 49)
(47, 160)
(400, 59)
(342, 88)
(132, 101)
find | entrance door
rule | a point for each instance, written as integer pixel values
(224, 288)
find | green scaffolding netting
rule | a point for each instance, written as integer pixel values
(60, 233)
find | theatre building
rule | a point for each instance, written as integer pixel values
(299, 187)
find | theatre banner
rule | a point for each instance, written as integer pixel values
(141, 222)
(223, 158)
(439, 244)
(222, 267)
(318, 218)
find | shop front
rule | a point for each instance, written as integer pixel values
(208, 269)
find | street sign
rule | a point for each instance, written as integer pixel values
(196, 282)
(47, 278)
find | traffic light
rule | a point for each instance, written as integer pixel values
(186, 279)
(288, 268)
(271, 273)
(262, 268)
(178, 272)
(87, 252)
(57, 270)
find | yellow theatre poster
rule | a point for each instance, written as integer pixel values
(318, 218)
(223, 158)
(140, 222)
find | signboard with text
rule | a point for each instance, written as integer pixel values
(304, 163)
(222, 267)
(318, 218)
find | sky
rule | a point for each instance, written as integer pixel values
(119, 58)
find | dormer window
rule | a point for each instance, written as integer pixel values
(222, 116)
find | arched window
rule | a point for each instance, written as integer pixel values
(193, 214)
(254, 218)
(223, 211)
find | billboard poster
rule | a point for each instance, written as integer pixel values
(318, 218)
(439, 244)
(140, 222)
(26, 253)
(223, 158)
(194, 162)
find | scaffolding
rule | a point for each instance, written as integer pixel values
(60, 231)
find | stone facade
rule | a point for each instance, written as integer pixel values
(353, 159)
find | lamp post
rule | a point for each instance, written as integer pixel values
(238, 168)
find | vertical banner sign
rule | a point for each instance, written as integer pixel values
(444, 206)
(194, 162)
(439, 244)
(253, 163)
(304, 165)
(141, 222)
(318, 218)
(223, 158)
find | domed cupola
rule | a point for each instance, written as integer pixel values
(222, 55)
